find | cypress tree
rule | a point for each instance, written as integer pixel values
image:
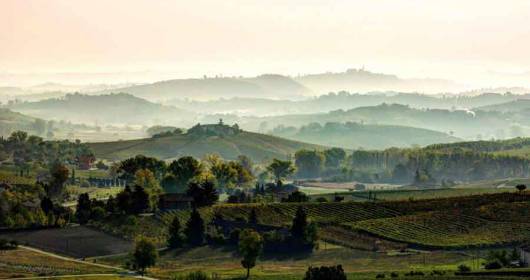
(175, 236)
(195, 229)
(299, 226)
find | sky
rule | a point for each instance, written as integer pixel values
(73, 41)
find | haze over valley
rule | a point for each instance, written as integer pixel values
(265, 140)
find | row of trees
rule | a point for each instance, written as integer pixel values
(313, 163)
(175, 177)
(303, 235)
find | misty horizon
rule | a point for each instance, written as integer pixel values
(62, 42)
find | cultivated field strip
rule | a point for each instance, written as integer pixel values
(281, 214)
(444, 230)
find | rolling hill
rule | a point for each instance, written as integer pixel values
(258, 147)
(208, 88)
(513, 147)
(360, 80)
(462, 123)
(343, 100)
(354, 135)
(118, 108)
(11, 121)
(508, 107)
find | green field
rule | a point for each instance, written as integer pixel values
(358, 264)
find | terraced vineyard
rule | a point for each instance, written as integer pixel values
(281, 214)
(479, 220)
(444, 230)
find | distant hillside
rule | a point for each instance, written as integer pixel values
(460, 123)
(512, 106)
(11, 121)
(340, 101)
(360, 80)
(515, 147)
(258, 147)
(107, 109)
(262, 86)
(354, 135)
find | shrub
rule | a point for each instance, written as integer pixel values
(493, 265)
(8, 245)
(98, 213)
(296, 196)
(463, 268)
(380, 276)
(394, 275)
(321, 199)
(197, 275)
(415, 273)
(325, 273)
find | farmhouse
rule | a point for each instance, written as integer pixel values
(84, 162)
(174, 201)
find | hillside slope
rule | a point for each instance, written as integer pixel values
(464, 124)
(354, 135)
(262, 86)
(109, 109)
(11, 121)
(258, 147)
(507, 107)
(360, 80)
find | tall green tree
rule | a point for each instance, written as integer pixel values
(203, 193)
(250, 247)
(127, 168)
(184, 170)
(59, 175)
(225, 174)
(83, 208)
(281, 169)
(146, 179)
(334, 157)
(145, 254)
(139, 200)
(244, 176)
(309, 164)
(300, 223)
(169, 183)
(176, 239)
(195, 230)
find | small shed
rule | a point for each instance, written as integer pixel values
(174, 201)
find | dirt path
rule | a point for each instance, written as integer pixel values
(84, 275)
(69, 259)
(126, 272)
(65, 276)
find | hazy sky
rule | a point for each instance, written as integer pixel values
(147, 39)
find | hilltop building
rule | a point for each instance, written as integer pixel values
(219, 129)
